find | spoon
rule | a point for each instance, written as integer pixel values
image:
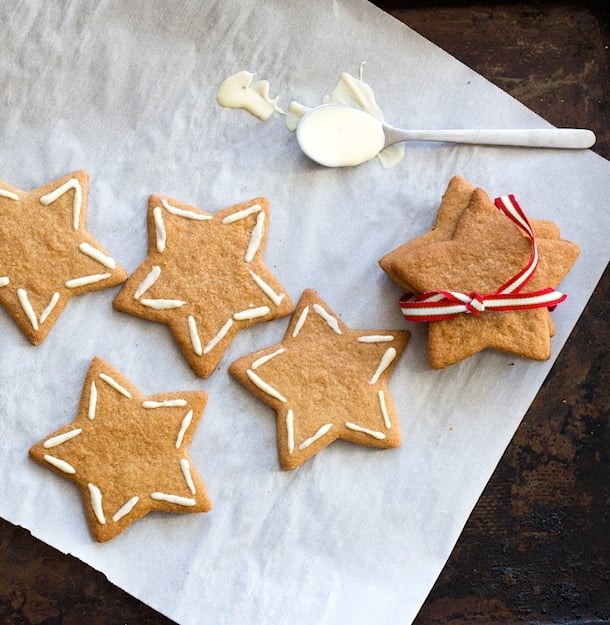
(337, 135)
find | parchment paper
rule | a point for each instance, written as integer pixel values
(126, 90)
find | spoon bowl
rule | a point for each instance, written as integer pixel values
(337, 135)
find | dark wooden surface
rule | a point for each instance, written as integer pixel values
(537, 546)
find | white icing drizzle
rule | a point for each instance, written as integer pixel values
(162, 304)
(263, 359)
(60, 464)
(333, 324)
(97, 255)
(27, 307)
(266, 388)
(255, 238)
(96, 503)
(276, 298)
(4, 280)
(384, 410)
(290, 431)
(85, 280)
(384, 363)
(186, 472)
(176, 499)
(9, 195)
(92, 401)
(221, 334)
(251, 313)
(184, 426)
(44, 315)
(151, 278)
(376, 338)
(115, 385)
(159, 229)
(61, 438)
(194, 335)
(181, 212)
(166, 403)
(358, 428)
(73, 183)
(242, 214)
(126, 508)
(300, 322)
(312, 439)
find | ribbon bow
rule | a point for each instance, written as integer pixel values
(441, 305)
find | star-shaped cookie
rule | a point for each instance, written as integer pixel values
(46, 254)
(325, 382)
(204, 277)
(126, 452)
(477, 249)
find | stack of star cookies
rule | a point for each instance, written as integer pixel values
(475, 251)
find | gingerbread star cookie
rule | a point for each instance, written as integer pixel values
(325, 382)
(204, 277)
(480, 250)
(46, 254)
(127, 453)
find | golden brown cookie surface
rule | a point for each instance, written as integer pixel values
(127, 453)
(204, 277)
(46, 254)
(325, 382)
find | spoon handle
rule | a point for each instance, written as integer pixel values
(572, 138)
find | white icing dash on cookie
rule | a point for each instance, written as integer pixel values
(96, 503)
(126, 508)
(300, 321)
(194, 335)
(176, 499)
(88, 250)
(166, 403)
(276, 298)
(221, 334)
(242, 214)
(184, 426)
(290, 431)
(376, 338)
(44, 315)
(160, 231)
(256, 238)
(358, 428)
(60, 464)
(312, 439)
(251, 313)
(266, 388)
(92, 401)
(73, 183)
(186, 472)
(384, 363)
(181, 212)
(332, 322)
(22, 295)
(9, 195)
(149, 280)
(4, 281)
(384, 410)
(162, 304)
(115, 385)
(263, 359)
(85, 280)
(61, 438)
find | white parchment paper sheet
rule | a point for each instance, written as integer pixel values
(126, 90)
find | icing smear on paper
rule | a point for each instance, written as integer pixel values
(239, 91)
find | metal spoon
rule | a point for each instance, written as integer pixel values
(336, 135)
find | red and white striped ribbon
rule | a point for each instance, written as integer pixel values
(440, 305)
